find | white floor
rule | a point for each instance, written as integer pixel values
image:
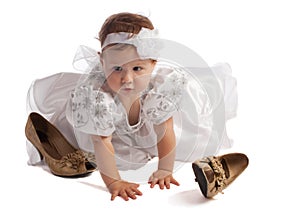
(260, 39)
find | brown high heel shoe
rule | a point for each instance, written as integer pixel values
(214, 174)
(61, 157)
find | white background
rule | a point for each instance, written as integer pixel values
(259, 39)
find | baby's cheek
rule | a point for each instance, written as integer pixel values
(142, 83)
(113, 83)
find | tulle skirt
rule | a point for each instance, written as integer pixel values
(199, 131)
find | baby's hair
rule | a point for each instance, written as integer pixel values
(124, 22)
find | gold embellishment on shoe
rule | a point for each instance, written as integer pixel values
(73, 160)
(90, 157)
(219, 174)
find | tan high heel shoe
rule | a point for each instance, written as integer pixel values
(60, 156)
(214, 174)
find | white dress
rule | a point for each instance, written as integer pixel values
(200, 105)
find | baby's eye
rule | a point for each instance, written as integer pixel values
(137, 68)
(117, 68)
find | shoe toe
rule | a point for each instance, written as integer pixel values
(234, 164)
(90, 166)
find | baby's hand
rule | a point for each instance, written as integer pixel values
(162, 178)
(124, 189)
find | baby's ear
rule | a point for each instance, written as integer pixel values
(101, 57)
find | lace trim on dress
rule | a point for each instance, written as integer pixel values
(92, 110)
(163, 100)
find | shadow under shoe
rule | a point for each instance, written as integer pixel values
(215, 173)
(61, 157)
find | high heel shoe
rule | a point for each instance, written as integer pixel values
(61, 157)
(214, 174)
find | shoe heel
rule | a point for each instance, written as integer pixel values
(200, 178)
(33, 153)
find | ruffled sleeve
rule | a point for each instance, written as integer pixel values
(91, 111)
(163, 100)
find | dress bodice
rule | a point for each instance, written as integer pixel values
(94, 111)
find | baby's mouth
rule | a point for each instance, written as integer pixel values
(127, 89)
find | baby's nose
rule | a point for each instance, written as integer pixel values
(127, 77)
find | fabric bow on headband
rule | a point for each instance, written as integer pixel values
(146, 42)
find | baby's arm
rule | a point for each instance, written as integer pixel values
(105, 158)
(166, 153)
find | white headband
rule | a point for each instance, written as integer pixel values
(146, 42)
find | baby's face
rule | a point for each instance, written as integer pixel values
(125, 72)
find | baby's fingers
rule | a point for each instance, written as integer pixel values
(162, 183)
(121, 193)
(167, 183)
(173, 181)
(124, 195)
(137, 192)
(153, 182)
(114, 195)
